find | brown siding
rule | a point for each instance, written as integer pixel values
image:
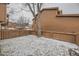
(2, 12)
(49, 21)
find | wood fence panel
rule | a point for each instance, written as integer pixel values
(64, 37)
(77, 39)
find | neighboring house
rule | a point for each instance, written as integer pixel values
(11, 25)
(52, 19)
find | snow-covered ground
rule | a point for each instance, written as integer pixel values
(33, 46)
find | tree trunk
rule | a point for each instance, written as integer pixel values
(38, 25)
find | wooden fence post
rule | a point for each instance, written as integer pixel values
(77, 39)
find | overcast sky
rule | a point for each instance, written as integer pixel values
(72, 8)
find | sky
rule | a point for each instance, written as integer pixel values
(67, 8)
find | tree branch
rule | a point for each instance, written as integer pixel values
(40, 5)
(31, 9)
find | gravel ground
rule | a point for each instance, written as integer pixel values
(33, 46)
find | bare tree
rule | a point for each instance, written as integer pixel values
(36, 8)
(22, 22)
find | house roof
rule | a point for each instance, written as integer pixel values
(67, 15)
(54, 8)
(59, 14)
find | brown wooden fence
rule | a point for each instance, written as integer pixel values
(13, 33)
(63, 36)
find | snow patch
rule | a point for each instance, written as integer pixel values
(35, 46)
